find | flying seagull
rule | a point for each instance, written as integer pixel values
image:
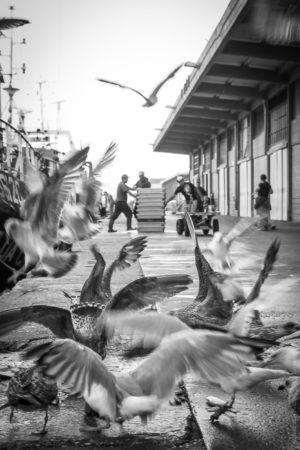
(209, 356)
(152, 99)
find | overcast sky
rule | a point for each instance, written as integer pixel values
(136, 42)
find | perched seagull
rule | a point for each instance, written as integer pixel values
(36, 234)
(220, 244)
(116, 398)
(29, 389)
(152, 99)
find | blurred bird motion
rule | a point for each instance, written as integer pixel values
(79, 323)
(220, 245)
(152, 99)
(277, 21)
(35, 233)
(78, 221)
(142, 392)
(150, 330)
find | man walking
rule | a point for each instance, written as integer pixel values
(121, 205)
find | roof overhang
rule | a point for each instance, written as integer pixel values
(238, 68)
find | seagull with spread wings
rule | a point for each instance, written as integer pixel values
(152, 99)
(37, 233)
(76, 219)
(142, 392)
(79, 323)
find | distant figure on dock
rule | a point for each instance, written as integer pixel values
(121, 205)
(190, 193)
(143, 182)
(263, 204)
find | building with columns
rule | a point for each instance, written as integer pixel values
(238, 114)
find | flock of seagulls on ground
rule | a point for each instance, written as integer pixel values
(219, 337)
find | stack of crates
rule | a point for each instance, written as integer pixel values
(151, 210)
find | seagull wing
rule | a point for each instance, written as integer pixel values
(208, 355)
(90, 187)
(237, 230)
(43, 210)
(128, 255)
(149, 290)
(204, 269)
(122, 86)
(92, 289)
(80, 368)
(33, 178)
(168, 77)
(57, 320)
(146, 328)
(268, 264)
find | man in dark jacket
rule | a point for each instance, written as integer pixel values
(143, 182)
(190, 193)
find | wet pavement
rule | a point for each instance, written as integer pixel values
(263, 420)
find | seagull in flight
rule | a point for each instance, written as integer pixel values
(152, 99)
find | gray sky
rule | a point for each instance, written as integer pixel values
(135, 42)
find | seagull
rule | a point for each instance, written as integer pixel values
(149, 331)
(142, 392)
(152, 99)
(220, 244)
(285, 358)
(29, 389)
(76, 219)
(247, 380)
(79, 322)
(36, 234)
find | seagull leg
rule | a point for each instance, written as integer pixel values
(11, 416)
(44, 431)
(227, 407)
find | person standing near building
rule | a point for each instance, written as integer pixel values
(202, 204)
(263, 204)
(143, 182)
(190, 193)
(121, 205)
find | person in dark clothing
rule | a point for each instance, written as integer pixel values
(143, 182)
(263, 204)
(121, 205)
(190, 193)
(203, 202)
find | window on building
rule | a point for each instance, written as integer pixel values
(222, 149)
(278, 119)
(258, 119)
(243, 130)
